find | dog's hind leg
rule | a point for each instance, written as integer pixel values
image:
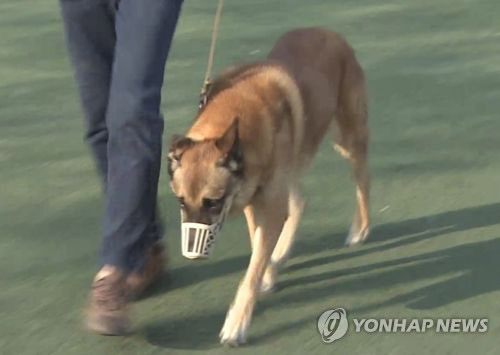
(351, 120)
(286, 239)
(361, 223)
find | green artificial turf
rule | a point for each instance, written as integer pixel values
(433, 72)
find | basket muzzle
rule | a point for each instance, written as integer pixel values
(198, 239)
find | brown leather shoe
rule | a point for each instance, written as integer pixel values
(140, 281)
(107, 311)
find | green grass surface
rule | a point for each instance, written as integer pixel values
(434, 79)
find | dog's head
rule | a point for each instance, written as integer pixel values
(205, 177)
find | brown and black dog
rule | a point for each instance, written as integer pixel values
(256, 135)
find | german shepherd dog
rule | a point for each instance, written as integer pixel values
(257, 133)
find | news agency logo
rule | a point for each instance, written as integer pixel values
(395, 325)
(333, 325)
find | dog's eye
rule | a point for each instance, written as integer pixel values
(213, 204)
(181, 202)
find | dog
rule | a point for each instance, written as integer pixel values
(250, 143)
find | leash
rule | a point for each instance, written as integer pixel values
(207, 82)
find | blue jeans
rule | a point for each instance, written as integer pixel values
(118, 50)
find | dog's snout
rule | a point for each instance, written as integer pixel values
(197, 217)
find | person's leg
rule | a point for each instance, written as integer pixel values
(144, 30)
(90, 36)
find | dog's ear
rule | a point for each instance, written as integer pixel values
(178, 146)
(229, 145)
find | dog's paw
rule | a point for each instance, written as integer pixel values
(234, 331)
(267, 288)
(268, 282)
(357, 236)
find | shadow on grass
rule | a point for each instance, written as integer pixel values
(474, 269)
(196, 272)
(196, 331)
(476, 264)
(200, 332)
(393, 235)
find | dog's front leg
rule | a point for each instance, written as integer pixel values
(269, 222)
